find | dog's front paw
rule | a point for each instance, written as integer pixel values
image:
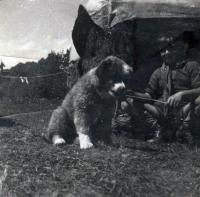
(58, 140)
(85, 141)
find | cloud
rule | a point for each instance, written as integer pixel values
(32, 50)
(12, 61)
(32, 28)
(28, 46)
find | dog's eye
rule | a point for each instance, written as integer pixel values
(117, 77)
(111, 82)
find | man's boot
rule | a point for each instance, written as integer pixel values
(156, 137)
(152, 123)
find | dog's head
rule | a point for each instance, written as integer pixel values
(113, 74)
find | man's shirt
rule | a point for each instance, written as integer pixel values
(184, 78)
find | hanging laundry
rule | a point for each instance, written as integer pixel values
(24, 79)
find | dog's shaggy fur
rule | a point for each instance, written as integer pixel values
(90, 104)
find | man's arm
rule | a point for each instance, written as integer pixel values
(183, 96)
(188, 95)
(191, 95)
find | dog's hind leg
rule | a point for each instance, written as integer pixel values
(57, 140)
(58, 126)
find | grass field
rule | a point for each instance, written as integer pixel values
(31, 167)
(9, 108)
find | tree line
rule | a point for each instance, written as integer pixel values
(46, 78)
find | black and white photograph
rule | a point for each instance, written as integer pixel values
(99, 98)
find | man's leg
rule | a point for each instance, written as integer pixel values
(145, 115)
(183, 132)
(190, 114)
(135, 112)
(154, 120)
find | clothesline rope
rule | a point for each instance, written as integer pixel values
(65, 70)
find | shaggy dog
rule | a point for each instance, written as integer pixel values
(88, 108)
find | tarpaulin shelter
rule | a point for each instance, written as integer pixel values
(135, 30)
(112, 12)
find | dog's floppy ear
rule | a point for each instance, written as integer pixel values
(105, 66)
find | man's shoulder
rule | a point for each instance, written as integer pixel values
(192, 64)
(192, 67)
(157, 70)
(156, 73)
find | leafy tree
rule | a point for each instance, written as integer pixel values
(2, 65)
(40, 84)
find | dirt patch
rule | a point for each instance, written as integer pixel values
(31, 167)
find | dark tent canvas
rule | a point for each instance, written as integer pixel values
(134, 30)
(111, 12)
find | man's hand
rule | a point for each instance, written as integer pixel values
(175, 100)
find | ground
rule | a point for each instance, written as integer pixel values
(29, 166)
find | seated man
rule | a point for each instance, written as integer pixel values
(176, 86)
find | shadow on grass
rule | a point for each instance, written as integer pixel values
(6, 122)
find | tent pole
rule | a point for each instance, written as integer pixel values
(109, 12)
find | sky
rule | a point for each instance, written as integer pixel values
(30, 29)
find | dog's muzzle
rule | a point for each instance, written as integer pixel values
(117, 89)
